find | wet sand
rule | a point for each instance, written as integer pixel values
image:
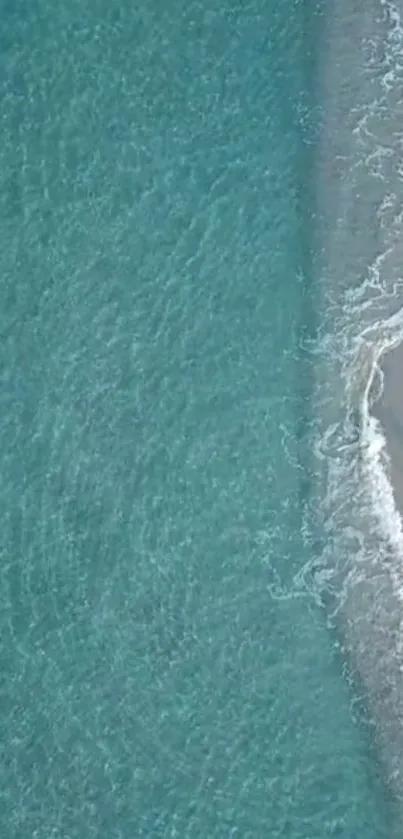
(389, 411)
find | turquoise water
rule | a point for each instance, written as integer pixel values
(164, 670)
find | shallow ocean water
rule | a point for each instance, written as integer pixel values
(166, 665)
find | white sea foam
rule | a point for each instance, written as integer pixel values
(353, 521)
(376, 463)
(362, 320)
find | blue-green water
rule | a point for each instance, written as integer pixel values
(164, 672)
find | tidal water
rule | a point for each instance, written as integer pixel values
(169, 667)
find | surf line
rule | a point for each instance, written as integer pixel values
(371, 608)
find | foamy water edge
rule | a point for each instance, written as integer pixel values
(358, 568)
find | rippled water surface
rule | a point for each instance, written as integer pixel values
(166, 665)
